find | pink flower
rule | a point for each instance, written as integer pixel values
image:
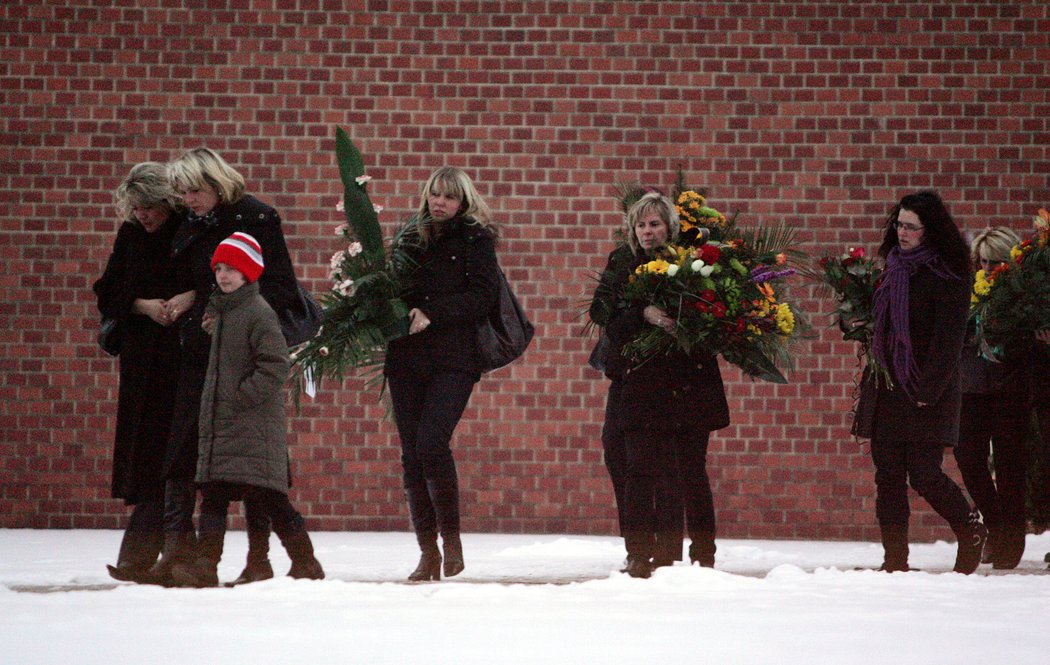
(362, 179)
(340, 207)
(856, 252)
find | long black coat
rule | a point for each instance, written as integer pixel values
(454, 284)
(193, 247)
(140, 266)
(937, 311)
(685, 390)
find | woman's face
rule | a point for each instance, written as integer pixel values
(909, 230)
(651, 231)
(201, 201)
(151, 217)
(443, 205)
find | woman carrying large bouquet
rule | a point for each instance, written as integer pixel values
(671, 403)
(432, 371)
(920, 313)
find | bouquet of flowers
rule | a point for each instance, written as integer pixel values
(727, 297)
(853, 278)
(364, 309)
(1012, 302)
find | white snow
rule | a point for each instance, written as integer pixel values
(524, 599)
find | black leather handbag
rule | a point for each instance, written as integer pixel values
(109, 336)
(506, 332)
(302, 323)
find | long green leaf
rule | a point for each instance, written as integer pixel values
(360, 214)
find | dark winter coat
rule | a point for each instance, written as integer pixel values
(242, 419)
(685, 390)
(454, 284)
(140, 266)
(980, 376)
(937, 311)
(193, 247)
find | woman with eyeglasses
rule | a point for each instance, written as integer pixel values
(920, 314)
(994, 417)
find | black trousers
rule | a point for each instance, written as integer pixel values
(665, 462)
(215, 505)
(668, 500)
(427, 408)
(144, 537)
(900, 463)
(1002, 422)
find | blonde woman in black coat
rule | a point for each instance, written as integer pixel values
(670, 404)
(432, 371)
(135, 288)
(920, 313)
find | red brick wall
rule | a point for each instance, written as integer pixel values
(820, 114)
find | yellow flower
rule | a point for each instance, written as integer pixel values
(981, 285)
(785, 319)
(657, 267)
(1015, 252)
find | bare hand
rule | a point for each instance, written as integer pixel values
(658, 317)
(180, 304)
(1043, 335)
(418, 321)
(208, 323)
(154, 308)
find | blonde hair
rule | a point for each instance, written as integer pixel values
(652, 202)
(994, 244)
(203, 166)
(146, 186)
(455, 182)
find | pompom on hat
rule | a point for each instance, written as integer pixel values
(240, 251)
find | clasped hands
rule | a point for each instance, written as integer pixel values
(658, 317)
(418, 321)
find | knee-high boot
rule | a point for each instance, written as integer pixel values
(444, 496)
(300, 550)
(895, 547)
(258, 567)
(424, 523)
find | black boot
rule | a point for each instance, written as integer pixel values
(429, 568)
(444, 496)
(178, 547)
(638, 566)
(1011, 547)
(202, 572)
(424, 523)
(300, 548)
(138, 553)
(258, 566)
(971, 536)
(702, 549)
(895, 548)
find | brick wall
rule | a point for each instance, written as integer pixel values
(820, 114)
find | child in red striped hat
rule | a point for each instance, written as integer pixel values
(243, 453)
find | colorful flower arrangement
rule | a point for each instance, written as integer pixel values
(853, 279)
(727, 297)
(1012, 302)
(364, 309)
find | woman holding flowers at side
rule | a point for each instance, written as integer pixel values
(920, 312)
(994, 414)
(432, 371)
(671, 403)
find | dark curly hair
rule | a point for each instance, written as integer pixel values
(939, 230)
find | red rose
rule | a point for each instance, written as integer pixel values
(710, 254)
(702, 307)
(856, 252)
(718, 309)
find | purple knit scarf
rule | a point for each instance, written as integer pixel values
(891, 345)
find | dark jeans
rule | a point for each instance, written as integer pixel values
(1001, 420)
(898, 463)
(667, 464)
(180, 500)
(427, 408)
(215, 506)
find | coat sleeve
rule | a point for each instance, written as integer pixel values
(115, 289)
(477, 300)
(269, 357)
(950, 311)
(605, 293)
(277, 284)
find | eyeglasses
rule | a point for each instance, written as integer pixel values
(910, 228)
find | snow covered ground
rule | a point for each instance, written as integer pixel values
(524, 599)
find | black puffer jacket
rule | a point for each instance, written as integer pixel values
(454, 284)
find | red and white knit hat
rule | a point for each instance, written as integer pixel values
(240, 251)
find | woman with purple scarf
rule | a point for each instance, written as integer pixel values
(920, 314)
